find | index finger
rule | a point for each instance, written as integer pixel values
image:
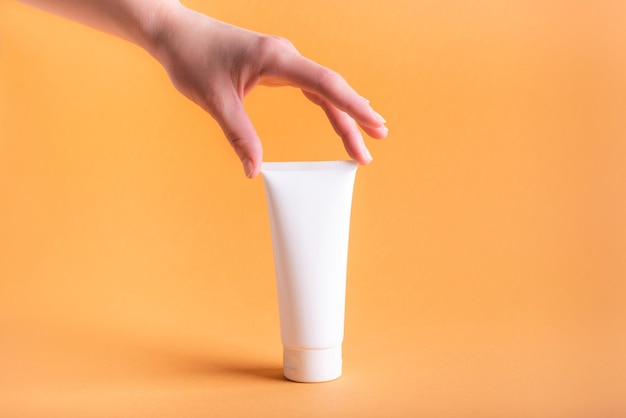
(312, 77)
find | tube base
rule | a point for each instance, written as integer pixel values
(310, 366)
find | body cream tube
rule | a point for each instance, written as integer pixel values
(309, 207)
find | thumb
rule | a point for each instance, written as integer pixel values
(241, 134)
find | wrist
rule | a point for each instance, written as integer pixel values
(158, 25)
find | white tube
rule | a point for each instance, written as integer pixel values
(309, 207)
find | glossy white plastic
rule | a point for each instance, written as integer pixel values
(309, 207)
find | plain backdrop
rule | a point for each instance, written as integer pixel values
(487, 270)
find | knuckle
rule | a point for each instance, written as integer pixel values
(280, 43)
(239, 142)
(283, 42)
(328, 79)
(274, 48)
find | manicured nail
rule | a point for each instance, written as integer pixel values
(384, 130)
(367, 154)
(379, 118)
(248, 167)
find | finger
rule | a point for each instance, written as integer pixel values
(312, 77)
(378, 132)
(240, 132)
(346, 128)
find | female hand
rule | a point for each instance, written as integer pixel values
(216, 65)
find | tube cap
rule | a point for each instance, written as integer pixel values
(309, 366)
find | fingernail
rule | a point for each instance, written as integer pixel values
(384, 130)
(367, 154)
(379, 118)
(248, 167)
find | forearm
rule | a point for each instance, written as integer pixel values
(137, 21)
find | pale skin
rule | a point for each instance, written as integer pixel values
(216, 64)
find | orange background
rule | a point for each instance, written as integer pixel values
(487, 274)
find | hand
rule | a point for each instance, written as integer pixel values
(216, 65)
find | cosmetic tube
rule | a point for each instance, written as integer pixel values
(309, 208)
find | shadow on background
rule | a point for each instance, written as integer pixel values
(216, 362)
